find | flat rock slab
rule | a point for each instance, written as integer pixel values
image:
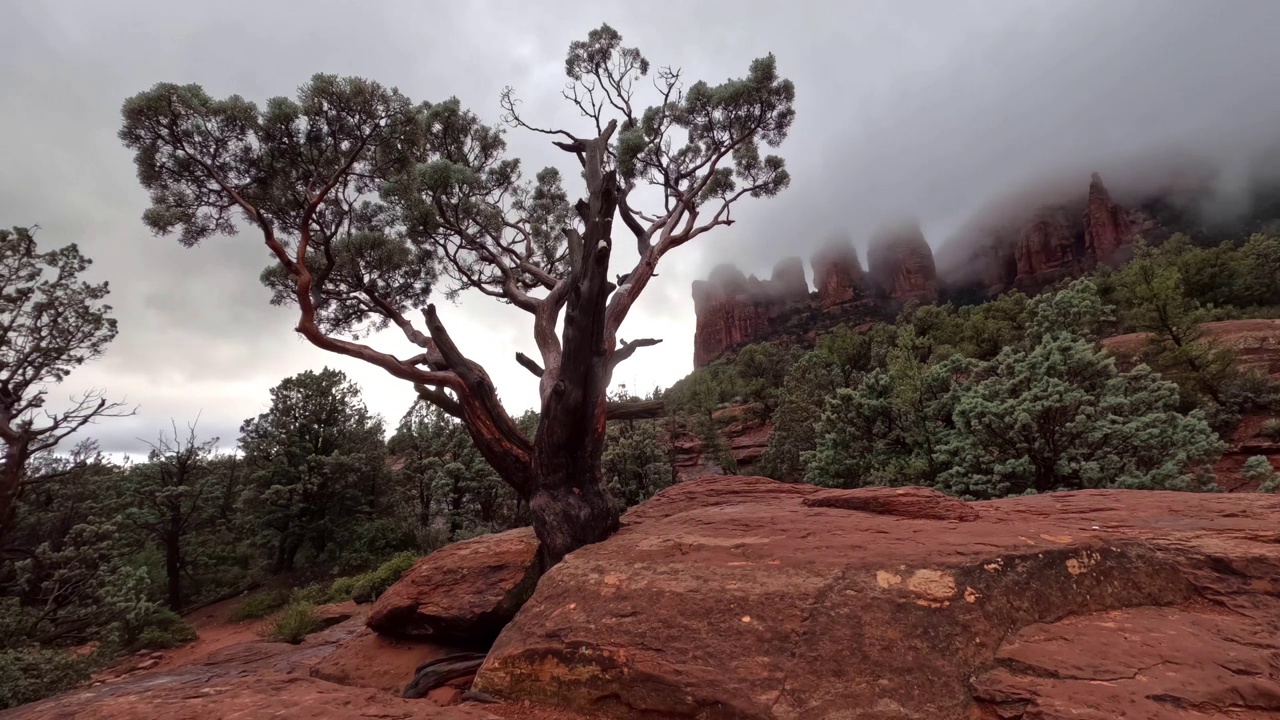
(202, 693)
(762, 603)
(1157, 663)
(381, 662)
(465, 592)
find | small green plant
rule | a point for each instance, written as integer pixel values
(342, 588)
(166, 629)
(260, 605)
(315, 593)
(295, 623)
(34, 673)
(1270, 430)
(370, 585)
(1258, 469)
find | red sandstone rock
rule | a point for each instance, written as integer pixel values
(375, 661)
(1146, 662)
(466, 591)
(920, 503)
(1014, 246)
(1106, 225)
(788, 285)
(207, 694)
(1046, 248)
(445, 696)
(245, 680)
(837, 273)
(734, 597)
(900, 264)
(731, 311)
(1256, 343)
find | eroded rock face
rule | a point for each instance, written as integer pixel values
(900, 264)
(742, 598)
(1032, 247)
(1149, 662)
(1106, 225)
(838, 274)
(787, 284)
(730, 309)
(465, 592)
(1047, 248)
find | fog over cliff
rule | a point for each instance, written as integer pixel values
(932, 109)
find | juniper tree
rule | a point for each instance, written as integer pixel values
(1056, 413)
(367, 201)
(317, 457)
(171, 497)
(1153, 293)
(51, 322)
(447, 478)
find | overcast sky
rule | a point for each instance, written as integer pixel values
(922, 107)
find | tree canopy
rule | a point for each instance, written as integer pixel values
(51, 322)
(368, 201)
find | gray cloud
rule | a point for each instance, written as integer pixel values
(928, 107)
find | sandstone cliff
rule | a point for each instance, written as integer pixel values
(900, 264)
(1018, 247)
(837, 273)
(734, 310)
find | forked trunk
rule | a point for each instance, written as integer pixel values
(570, 508)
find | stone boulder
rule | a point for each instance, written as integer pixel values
(731, 597)
(465, 592)
(1147, 662)
(381, 662)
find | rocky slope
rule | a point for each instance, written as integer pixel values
(1255, 342)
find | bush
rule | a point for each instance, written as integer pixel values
(342, 589)
(1258, 469)
(370, 585)
(294, 624)
(1270, 430)
(260, 605)
(34, 673)
(315, 594)
(362, 546)
(166, 629)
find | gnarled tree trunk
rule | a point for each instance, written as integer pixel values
(567, 497)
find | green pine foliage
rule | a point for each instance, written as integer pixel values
(1258, 469)
(319, 467)
(1051, 412)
